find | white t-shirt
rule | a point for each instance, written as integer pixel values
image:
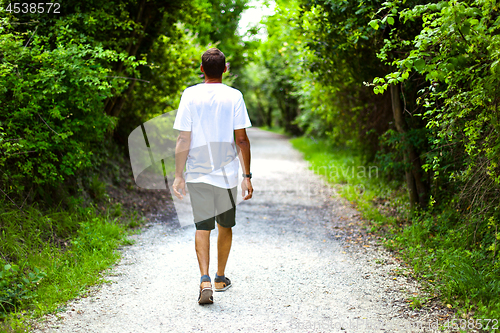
(212, 111)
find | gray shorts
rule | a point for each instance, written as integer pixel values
(211, 203)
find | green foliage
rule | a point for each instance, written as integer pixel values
(274, 78)
(97, 189)
(344, 40)
(341, 56)
(444, 255)
(51, 118)
(392, 147)
(16, 287)
(258, 91)
(69, 81)
(456, 50)
(217, 24)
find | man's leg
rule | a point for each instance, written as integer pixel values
(202, 245)
(225, 203)
(224, 241)
(203, 211)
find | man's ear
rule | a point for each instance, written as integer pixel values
(225, 68)
(201, 69)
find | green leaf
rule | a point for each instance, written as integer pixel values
(374, 24)
(419, 64)
(390, 20)
(408, 63)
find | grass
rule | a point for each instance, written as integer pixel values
(455, 259)
(466, 275)
(50, 258)
(359, 183)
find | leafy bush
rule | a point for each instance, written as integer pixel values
(442, 251)
(456, 50)
(51, 118)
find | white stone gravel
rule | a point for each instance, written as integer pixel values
(291, 270)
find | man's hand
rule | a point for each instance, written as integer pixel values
(246, 186)
(179, 185)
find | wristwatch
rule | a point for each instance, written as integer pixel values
(247, 175)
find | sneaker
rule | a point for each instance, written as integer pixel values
(221, 283)
(206, 293)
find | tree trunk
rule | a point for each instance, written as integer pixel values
(269, 117)
(422, 189)
(412, 171)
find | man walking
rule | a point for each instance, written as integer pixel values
(212, 118)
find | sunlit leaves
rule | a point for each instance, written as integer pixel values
(51, 108)
(457, 51)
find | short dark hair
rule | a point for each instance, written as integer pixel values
(213, 62)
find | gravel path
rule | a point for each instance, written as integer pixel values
(292, 266)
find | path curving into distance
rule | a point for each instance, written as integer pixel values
(291, 267)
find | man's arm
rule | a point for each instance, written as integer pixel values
(181, 153)
(242, 141)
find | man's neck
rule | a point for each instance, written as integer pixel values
(213, 80)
